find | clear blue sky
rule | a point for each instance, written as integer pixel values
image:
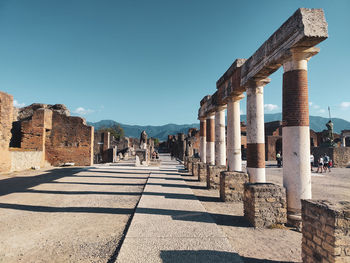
(151, 62)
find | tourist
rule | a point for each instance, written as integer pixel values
(312, 161)
(330, 164)
(279, 159)
(325, 162)
(320, 165)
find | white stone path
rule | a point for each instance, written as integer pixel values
(171, 225)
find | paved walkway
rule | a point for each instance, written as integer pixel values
(171, 225)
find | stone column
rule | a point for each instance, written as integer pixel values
(255, 131)
(343, 141)
(234, 155)
(210, 139)
(296, 131)
(203, 140)
(220, 138)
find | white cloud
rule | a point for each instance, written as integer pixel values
(17, 104)
(270, 107)
(82, 111)
(322, 111)
(345, 104)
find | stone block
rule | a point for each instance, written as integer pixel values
(265, 204)
(213, 176)
(6, 118)
(202, 171)
(232, 185)
(142, 155)
(326, 235)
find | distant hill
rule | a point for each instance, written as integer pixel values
(161, 132)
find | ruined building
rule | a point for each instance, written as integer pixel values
(40, 135)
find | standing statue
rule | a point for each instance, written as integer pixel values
(143, 140)
(328, 135)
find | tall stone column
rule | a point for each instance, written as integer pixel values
(234, 155)
(203, 140)
(296, 131)
(255, 131)
(220, 137)
(210, 139)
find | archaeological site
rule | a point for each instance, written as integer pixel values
(226, 190)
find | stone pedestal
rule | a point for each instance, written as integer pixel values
(191, 161)
(213, 176)
(232, 185)
(265, 204)
(195, 169)
(142, 155)
(326, 236)
(202, 171)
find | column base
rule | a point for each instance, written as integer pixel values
(232, 185)
(195, 162)
(265, 204)
(202, 171)
(213, 176)
(256, 175)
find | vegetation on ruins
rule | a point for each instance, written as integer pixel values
(116, 130)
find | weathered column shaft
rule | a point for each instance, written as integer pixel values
(296, 132)
(210, 140)
(255, 131)
(203, 140)
(234, 155)
(220, 140)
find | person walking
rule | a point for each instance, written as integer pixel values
(312, 161)
(320, 164)
(325, 162)
(279, 159)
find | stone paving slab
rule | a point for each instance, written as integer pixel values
(171, 225)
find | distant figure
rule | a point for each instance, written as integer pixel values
(326, 160)
(279, 159)
(312, 159)
(320, 164)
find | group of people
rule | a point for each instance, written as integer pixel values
(324, 163)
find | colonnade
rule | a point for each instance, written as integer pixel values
(251, 76)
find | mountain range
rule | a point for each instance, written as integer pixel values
(161, 132)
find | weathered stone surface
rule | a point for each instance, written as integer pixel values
(6, 118)
(305, 28)
(28, 112)
(142, 155)
(24, 159)
(202, 171)
(265, 204)
(232, 185)
(326, 236)
(213, 176)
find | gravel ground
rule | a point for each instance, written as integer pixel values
(67, 214)
(268, 245)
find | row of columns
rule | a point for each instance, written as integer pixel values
(295, 130)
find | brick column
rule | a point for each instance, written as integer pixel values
(255, 131)
(210, 139)
(220, 138)
(234, 155)
(203, 140)
(296, 131)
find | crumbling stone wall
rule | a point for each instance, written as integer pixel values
(213, 176)
(232, 185)
(69, 140)
(326, 235)
(265, 204)
(339, 155)
(25, 159)
(6, 118)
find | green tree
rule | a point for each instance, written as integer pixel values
(116, 130)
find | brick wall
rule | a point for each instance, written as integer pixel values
(232, 185)
(6, 118)
(326, 235)
(69, 140)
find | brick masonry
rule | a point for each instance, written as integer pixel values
(213, 176)
(265, 204)
(295, 98)
(256, 155)
(6, 118)
(326, 231)
(232, 185)
(70, 140)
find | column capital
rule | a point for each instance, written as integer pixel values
(235, 98)
(220, 108)
(202, 118)
(258, 82)
(210, 115)
(298, 58)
